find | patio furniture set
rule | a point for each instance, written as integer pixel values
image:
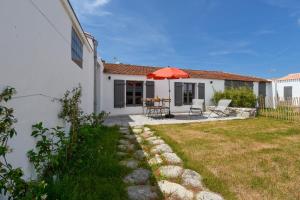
(157, 107)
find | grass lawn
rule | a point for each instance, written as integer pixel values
(94, 172)
(242, 159)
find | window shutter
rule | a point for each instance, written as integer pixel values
(201, 91)
(262, 89)
(149, 89)
(178, 94)
(119, 93)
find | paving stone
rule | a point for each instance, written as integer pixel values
(147, 129)
(174, 191)
(139, 126)
(205, 195)
(129, 147)
(171, 158)
(142, 192)
(132, 164)
(161, 148)
(140, 155)
(125, 142)
(192, 179)
(138, 176)
(170, 171)
(137, 130)
(156, 160)
(129, 137)
(122, 154)
(156, 142)
(147, 134)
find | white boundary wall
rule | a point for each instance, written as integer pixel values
(36, 59)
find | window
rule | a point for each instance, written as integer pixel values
(134, 93)
(188, 93)
(76, 47)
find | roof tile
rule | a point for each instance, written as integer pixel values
(127, 69)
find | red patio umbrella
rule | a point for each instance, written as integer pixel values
(168, 73)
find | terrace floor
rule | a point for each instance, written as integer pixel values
(180, 118)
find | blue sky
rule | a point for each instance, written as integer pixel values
(252, 37)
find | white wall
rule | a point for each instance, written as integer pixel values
(293, 83)
(36, 59)
(161, 90)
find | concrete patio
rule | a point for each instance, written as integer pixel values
(180, 118)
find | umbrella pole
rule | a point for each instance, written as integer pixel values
(169, 115)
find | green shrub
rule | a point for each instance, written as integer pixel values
(241, 97)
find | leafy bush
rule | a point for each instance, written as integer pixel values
(94, 119)
(50, 150)
(241, 97)
(11, 182)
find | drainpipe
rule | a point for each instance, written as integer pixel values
(95, 43)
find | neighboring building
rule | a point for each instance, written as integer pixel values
(44, 52)
(124, 86)
(287, 87)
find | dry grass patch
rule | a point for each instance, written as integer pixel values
(241, 159)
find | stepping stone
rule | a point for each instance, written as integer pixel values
(175, 191)
(147, 129)
(191, 178)
(137, 131)
(170, 171)
(171, 158)
(129, 137)
(142, 192)
(140, 155)
(138, 176)
(132, 164)
(156, 160)
(147, 134)
(139, 126)
(204, 195)
(156, 142)
(129, 147)
(122, 154)
(125, 142)
(162, 148)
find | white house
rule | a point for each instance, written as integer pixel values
(44, 52)
(287, 86)
(123, 86)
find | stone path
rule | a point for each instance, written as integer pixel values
(171, 179)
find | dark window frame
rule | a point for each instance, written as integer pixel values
(76, 48)
(134, 95)
(186, 92)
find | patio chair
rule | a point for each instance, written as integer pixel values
(221, 108)
(197, 106)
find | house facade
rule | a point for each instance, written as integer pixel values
(44, 52)
(124, 86)
(287, 87)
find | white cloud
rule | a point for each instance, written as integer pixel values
(91, 7)
(264, 32)
(298, 21)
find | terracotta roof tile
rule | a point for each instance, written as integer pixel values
(290, 77)
(127, 69)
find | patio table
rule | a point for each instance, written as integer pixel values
(152, 109)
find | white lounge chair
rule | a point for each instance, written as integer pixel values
(197, 106)
(221, 108)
